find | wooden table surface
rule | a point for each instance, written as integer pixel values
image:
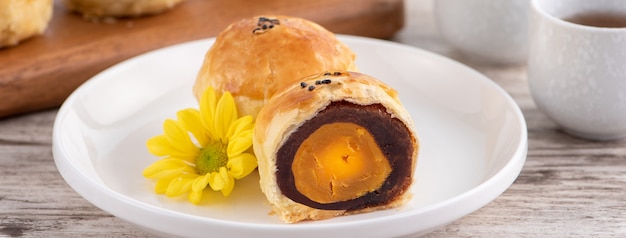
(42, 71)
(568, 186)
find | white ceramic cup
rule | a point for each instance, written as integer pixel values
(485, 31)
(577, 73)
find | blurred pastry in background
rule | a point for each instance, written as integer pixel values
(96, 9)
(22, 19)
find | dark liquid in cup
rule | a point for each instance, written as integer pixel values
(599, 19)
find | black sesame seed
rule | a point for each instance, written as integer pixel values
(317, 82)
(271, 26)
(264, 27)
(311, 88)
(255, 30)
(303, 84)
(327, 74)
(326, 81)
(337, 73)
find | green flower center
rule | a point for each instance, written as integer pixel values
(212, 157)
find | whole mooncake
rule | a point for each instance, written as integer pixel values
(255, 58)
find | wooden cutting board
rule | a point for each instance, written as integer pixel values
(42, 71)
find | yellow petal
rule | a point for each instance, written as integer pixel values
(240, 125)
(238, 146)
(200, 183)
(167, 164)
(191, 121)
(170, 173)
(221, 181)
(225, 114)
(177, 136)
(180, 185)
(190, 157)
(160, 146)
(242, 165)
(215, 181)
(230, 182)
(207, 109)
(163, 183)
(195, 196)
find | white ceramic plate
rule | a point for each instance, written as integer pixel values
(473, 145)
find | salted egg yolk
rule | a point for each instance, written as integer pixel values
(338, 162)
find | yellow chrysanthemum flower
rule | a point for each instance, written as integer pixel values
(215, 158)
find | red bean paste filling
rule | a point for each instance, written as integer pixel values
(391, 135)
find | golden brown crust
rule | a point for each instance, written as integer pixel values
(22, 19)
(297, 213)
(289, 109)
(94, 9)
(255, 64)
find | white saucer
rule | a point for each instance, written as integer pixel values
(473, 145)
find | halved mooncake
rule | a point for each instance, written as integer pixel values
(332, 144)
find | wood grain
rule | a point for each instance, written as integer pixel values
(41, 72)
(568, 187)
